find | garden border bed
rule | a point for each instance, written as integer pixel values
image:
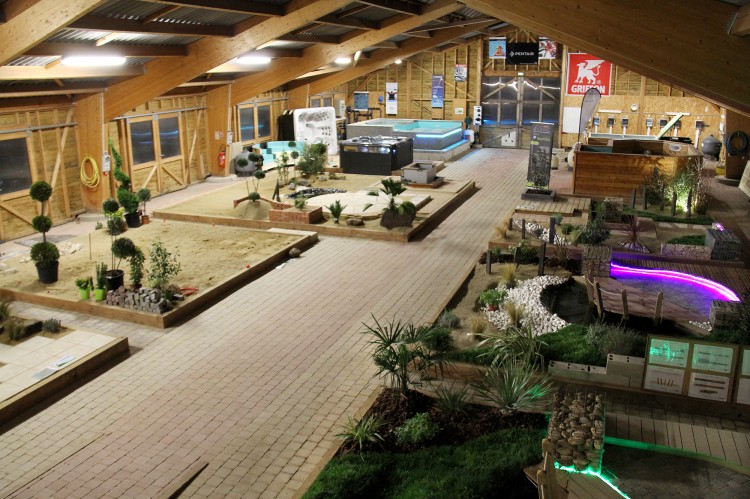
(465, 192)
(182, 312)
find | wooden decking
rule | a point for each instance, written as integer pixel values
(718, 445)
(566, 206)
(582, 486)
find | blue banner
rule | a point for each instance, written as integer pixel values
(438, 91)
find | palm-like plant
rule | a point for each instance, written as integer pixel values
(452, 400)
(633, 230)
(361, 431)
(516, 345)
(393, 210)
(513, 387)
(399, 347)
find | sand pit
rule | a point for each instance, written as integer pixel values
(208, 255)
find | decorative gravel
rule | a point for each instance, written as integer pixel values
(527, 295)
(314, 191)
(543, 232)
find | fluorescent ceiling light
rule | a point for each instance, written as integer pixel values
(397, 61)
(253, 60)
(85, 60)
(357, 55)
(342, 60)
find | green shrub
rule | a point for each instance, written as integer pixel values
(136, 267)
(692, 240)
(163, 266)
(336, 209)
(5, 310)
(41, 223)
(622, 341)
(438, 339)
(417, 430)
(492, 297)
(594, 232)
(110, 206)
(14, 327)
(567, 228)
(40, 191)
(44, 253)
(450, 400)
(513, 387)
(449, 320)
(526, 252)
(51, 326)
(516, 345)
(361, 431)
(570, 344)
(128, 200)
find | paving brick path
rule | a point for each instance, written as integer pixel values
(257, 385)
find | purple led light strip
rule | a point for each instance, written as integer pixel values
(723, 291)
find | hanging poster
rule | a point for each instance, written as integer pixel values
(523, 53)
(547, 48)
(438, 91)
(497, 48)
(391, 98)
(587, 71)
(460, 72)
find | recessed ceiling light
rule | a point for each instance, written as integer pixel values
(397, 61)
(253, 59)
(342, 60)
(109, 60)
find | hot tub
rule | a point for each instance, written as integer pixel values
(431, 135)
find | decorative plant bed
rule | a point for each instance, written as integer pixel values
(80, 353)
(237, 258)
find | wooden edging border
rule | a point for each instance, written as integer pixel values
(342, 231)
(111, 353)
(174, 316)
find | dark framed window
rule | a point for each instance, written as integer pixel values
(247, 124)
(264, 120)
(169, 137)
(15, 170)
(142, 141)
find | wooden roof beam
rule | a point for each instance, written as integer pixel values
(379, 59)
(279, 72)
(239, 6)
(37, 22)
(693, 52)
(207, 53)
(160, 13)
(740, 23)
(327, 39)
(68, 49)
(45, 89)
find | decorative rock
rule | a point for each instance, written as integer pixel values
(295, 253)
(579, 432)
(356, 222)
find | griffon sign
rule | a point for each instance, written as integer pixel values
(587, 71)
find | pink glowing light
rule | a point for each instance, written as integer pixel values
(720, 291)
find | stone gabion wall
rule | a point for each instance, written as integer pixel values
(143, 299)
(690, 251)
(576, 430)
(598, 260)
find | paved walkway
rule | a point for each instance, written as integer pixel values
(257, 385)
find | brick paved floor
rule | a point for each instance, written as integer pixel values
(257, 385)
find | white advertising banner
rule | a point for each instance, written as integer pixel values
(391, 98)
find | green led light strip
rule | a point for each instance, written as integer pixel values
(589, 471)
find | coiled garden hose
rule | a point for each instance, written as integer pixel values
(90, 181)
(737, 151)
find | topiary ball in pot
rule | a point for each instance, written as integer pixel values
(41, 223)
(110, 206)
(46, 256)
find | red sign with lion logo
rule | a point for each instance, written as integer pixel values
(587, 71)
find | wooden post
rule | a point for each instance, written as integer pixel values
(625, 314)
(674, 202)
(551, 230)
(545, 477)
(598, 297)
(542, 254)
(488, 262)
(657, 312)
(632, 199)
(523, 228)
(645, 198)
(689, 202)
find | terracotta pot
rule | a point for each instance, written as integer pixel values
(145, 219)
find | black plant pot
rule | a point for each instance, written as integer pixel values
(133, 219)
(115, 278)
(47, 273)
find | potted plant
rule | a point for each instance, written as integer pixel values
(395, 214)
(144, 195)
(122, 248)
(282, 167)
(101, 282)
(129, 203)
(113, 213)
(136, 267)
(492, 298)
(84, 287)
(163, 266)
(44, 254)
(313, 159)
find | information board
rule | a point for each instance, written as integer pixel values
(540, 154)
(742, 390)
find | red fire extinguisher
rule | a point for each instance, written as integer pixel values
(222, 155)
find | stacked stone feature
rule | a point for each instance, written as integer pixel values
(576, 430)
(598, 260)
(723, 243)
(143, 299)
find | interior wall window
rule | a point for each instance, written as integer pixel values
(247, 124)
(314, 101)
(169, 137)
(264, 120)
(15, 172)
(142, 141)
(327, 101)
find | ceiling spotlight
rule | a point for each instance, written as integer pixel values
(398, 61)
(342, 60)
(93, 61)
(250, 60)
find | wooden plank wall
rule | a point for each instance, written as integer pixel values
(414, 78)
(653, 100)
(53, 157)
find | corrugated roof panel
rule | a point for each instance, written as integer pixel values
(76, 35)
(68, 35)
(325, 29)
(137, 10)
(33, 61)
